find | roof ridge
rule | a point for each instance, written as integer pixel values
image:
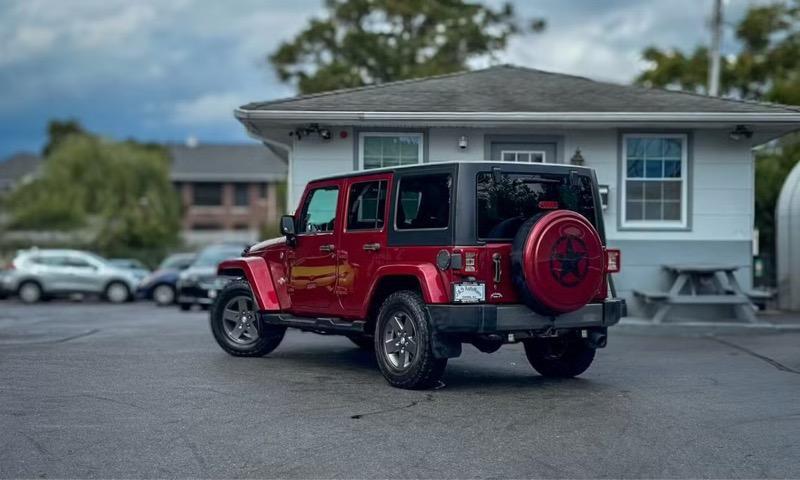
(722, 100)
(379, 85)
(662, 89)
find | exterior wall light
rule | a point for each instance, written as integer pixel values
(740, 132)
(577, 158)
(463, 143)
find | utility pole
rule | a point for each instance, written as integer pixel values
(714, 51)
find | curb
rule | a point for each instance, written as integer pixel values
(638, 326)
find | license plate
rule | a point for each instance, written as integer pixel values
(469, 292)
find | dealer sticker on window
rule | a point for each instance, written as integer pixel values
(469, 292)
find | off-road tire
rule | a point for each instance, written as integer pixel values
(30, 284)
(424, 370)
(559, 358)
(269, 336)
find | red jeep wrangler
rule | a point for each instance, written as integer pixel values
(485, 253)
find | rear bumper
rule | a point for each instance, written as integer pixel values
(485, 319)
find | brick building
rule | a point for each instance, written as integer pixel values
(228, 192)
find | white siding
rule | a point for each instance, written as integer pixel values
(720, 196)
(313, 157)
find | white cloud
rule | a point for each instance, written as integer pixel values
(208, 109)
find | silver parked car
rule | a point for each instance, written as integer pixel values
(35, 274)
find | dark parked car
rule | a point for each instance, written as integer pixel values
(161, 285)
(199, 284)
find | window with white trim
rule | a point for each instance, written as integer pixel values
(654, 187)
(523, 156)
(389, 149)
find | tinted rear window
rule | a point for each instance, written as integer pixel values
(506, 200)
(424, 202)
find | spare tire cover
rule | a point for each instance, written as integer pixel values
(557, 262)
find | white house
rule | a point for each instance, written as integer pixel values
(678, 166)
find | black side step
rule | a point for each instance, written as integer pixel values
(322, 325)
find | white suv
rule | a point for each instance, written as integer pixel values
(35, 274)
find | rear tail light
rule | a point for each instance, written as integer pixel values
(613, 260)
(469, 261)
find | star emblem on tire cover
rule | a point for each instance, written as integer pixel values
(569, 261)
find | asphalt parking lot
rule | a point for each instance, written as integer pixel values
(91, 390)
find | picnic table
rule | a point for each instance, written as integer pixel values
(701, 284)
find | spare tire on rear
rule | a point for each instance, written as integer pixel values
(557, 262)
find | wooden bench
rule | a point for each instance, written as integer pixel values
(651, 296)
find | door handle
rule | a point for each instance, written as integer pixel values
(326, 248)
(372, 247)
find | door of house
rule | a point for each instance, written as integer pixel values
(524, 152)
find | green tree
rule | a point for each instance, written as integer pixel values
(58, 130)
(119, 190)
(766, 67)
(362, 42)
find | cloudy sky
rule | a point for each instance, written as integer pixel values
(164, 70)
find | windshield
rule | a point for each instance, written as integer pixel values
(211, 257)
(176, 262)
(506, 200)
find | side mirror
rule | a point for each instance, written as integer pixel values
(287, 228)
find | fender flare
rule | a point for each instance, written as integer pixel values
(257, 273)
(430, 281)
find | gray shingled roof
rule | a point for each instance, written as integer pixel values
(16, 167)
(226, 163)
(508, 88)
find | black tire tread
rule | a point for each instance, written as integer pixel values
(429, 369)
(269, 336)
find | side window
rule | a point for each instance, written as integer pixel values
(423, 202)
(319, 211)
(366, 206)
(76, 262)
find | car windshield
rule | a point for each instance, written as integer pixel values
(176, 262)
(210, 257)
(506, 200)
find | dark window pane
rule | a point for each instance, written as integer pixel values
(206, 226)
(424, 202)
(366, 206)
(672, 210)
(652, 190)
(506, 201)
(672, 148)
(672, 168)
(264, 190)
(241, 195)
(319, 211)
(634, 147)
(652, 148)
(634, 210)
(635, 189)
(654, 169)
(207, 194)
(652, 210)
(672, 190)
(635, 168)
